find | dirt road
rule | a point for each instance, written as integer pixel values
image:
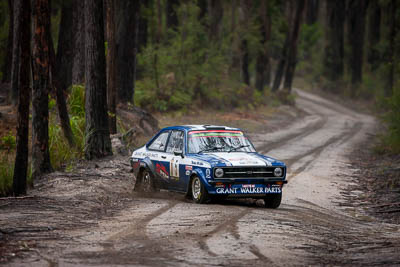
(312, 226)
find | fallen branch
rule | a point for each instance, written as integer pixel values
(389, 211)
(22, 230)
(5, 204)
(8, 198)
(384, 205)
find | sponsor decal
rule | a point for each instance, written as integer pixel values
(187, 173)
(197, 163)
(249, 189)
(244, 161)
(162, 171)
(188, 167)
(174, 167)
(146, 154)
(227, 190)
(248, 185)
(135, 165)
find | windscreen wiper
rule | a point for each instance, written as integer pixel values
(210, 149)
(234, 148)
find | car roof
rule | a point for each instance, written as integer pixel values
(200, 127)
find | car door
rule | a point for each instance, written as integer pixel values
(175, 144)
(160, 159)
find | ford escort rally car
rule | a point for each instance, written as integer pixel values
(208, 162)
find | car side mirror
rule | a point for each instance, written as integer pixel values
(178, 153)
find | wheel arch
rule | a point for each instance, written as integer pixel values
(199, 173)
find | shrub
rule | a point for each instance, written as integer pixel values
(61, 154)
(6, 172)
(392, 139)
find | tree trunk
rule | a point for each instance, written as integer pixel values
(126, 50)
(59, 91)
(374, 34)
(8, 59)
(388, 90)
(312, 8)
(245, 62)
(78, 57)
(15, 56)
(142, 35)
(23, 9)
(111, 70)
(172, 17)
(334, 49)
(98, 143)
(285, 50)
(40, 94)
(292, 53)
(203, 5)
(356, 29)
(246, 7)
(216, 15)
(64, 58)
(235, 57)
(262, 64)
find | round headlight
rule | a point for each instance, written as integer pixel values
(219, 173)
(278, 172)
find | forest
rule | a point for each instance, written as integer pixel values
(68, 65)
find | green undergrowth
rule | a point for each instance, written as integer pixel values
(62, 155)
(7, 158)
(189, 70)
(390, 140)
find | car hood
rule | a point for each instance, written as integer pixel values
(237, 159)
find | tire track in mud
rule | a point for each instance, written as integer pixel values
(334, 238)
(309, 130)
(250, 252)
(229, 225)
(303, 132)
(131, 245)
(328, 104)
(300, 133)
(315, 152)
(139, 229)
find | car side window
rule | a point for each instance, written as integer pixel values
(160, 142)
(175, 143)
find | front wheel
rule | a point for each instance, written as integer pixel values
(199, 192)
(273, 201)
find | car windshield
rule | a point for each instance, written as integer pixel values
(218, 141)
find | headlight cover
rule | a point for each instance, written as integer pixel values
(219, 173)
(278, 172)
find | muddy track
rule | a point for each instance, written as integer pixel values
(310, 227)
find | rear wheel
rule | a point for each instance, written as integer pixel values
(199, 192)
(145, 182)
(273, 201)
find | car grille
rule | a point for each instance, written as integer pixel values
(248, 172)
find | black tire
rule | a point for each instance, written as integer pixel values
(199, 193)
(145, 182)
(273, 201)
